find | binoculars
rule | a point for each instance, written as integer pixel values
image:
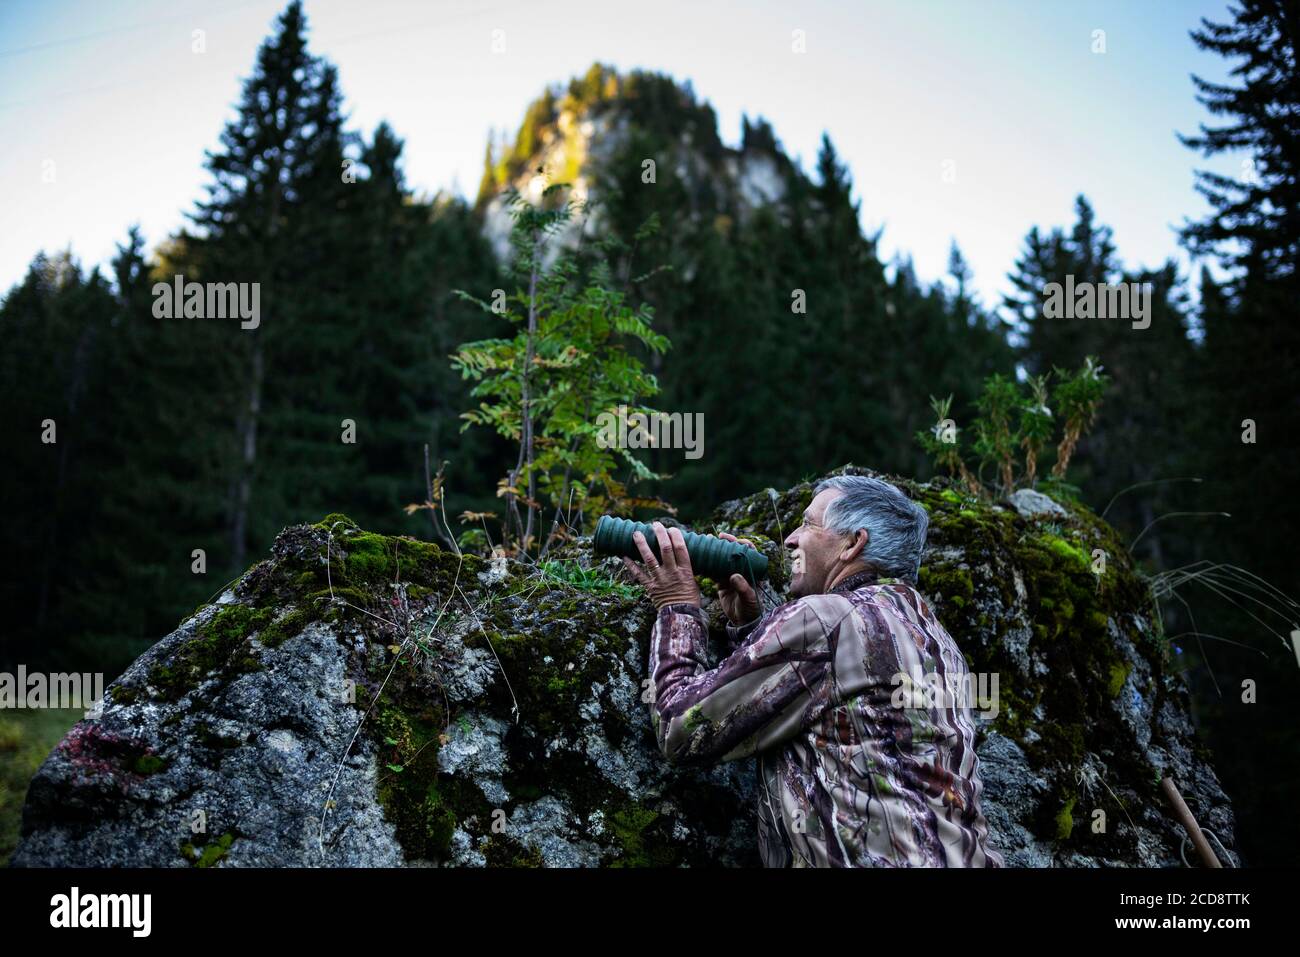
(711, 556)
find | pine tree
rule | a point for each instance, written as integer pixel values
(1251, 337)
(1255, 225)
(278, 170)
(59, 378)
(1088, 255)
(1247, 420)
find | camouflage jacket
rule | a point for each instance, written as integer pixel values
(846, 778)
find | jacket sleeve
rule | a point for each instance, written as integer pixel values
(769, 688)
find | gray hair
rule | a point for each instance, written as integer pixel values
(896, 525)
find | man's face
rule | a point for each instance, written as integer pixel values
(815, 549)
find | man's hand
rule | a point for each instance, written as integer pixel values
(739, 603)
(671, 581)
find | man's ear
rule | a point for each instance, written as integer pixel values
(857, 547)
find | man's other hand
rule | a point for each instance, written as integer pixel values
(670, 582)
(739, 603)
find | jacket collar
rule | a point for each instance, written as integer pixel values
(855, 581)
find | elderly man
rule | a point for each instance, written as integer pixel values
(846, 778)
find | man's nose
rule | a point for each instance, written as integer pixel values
(792, 541)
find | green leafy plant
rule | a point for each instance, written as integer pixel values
(547, 386)
(1077, 396)
(1009, 420)
(1036, 425)
(941, 443)
(996, 431)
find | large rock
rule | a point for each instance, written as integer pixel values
(360, 699)
(1044, 596)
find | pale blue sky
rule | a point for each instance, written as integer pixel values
(112, 95)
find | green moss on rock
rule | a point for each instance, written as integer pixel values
(125, 694)
(501, 850)
(1065, 549)
(146, 764)
(1118, 675)
(554, 666)
(221, 649)
(210, 739)
(206, 855)
(282, 629)
(1065, 820)
(642, 836)
(950, 583)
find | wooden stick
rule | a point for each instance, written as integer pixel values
(1185, 818)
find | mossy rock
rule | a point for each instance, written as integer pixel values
(360, 699)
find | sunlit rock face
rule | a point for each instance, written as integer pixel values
(604, 138)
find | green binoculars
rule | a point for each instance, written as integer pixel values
(711, 556)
